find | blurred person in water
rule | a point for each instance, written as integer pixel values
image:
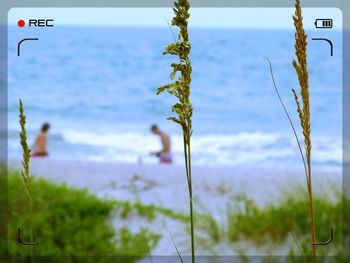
(164, 154)
(40, 144)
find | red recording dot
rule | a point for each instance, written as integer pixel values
(21, 23)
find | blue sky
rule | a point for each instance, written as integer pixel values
(200, 17)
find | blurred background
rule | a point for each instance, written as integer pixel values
(96, 86)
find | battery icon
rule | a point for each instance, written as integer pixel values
(324, 23)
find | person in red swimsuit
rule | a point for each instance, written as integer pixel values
(40, 144)
(164, 155)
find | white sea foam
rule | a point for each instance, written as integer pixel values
(224, 149)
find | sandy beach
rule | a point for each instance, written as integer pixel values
(166, 186)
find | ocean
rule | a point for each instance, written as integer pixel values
(96, 87)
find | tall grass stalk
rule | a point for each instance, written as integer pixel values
(181, 90)
(25, 171)
(295, 135)
(300, 66)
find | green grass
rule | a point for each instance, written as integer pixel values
(71, 222)
(272, 224)
(150, 211)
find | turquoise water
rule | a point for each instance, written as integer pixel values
(96, 86)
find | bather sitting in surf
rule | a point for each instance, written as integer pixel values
(40, 144)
